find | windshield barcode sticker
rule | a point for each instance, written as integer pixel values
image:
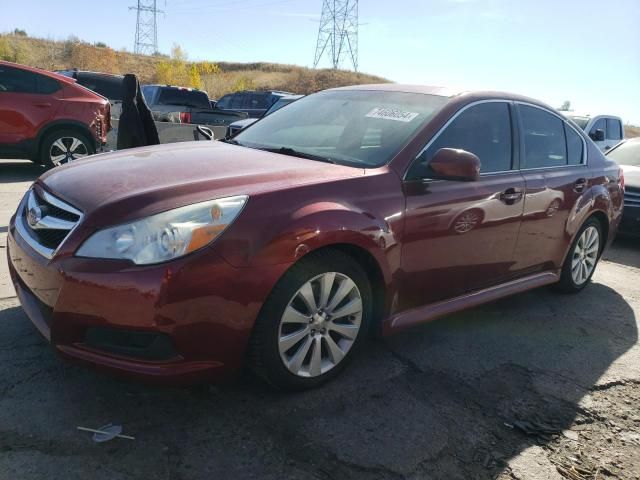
(392, 114)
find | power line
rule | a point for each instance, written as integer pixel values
(338, 33)
(146, 42)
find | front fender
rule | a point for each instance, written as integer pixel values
(319, 225)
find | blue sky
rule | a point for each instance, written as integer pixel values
(585, 51)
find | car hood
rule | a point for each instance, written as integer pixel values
(137, 182)
(631, 175)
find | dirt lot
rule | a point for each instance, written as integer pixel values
(537, 386)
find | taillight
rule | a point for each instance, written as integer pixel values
(185, 117)
(621, 177)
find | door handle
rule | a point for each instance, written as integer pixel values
(42, 105)
(511, 195)
(580, 185)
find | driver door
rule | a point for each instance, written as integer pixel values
(461, 236)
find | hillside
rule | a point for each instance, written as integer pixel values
(73, 53)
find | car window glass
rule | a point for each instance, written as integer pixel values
(183, 97)
(484, 130)
(544, 140)
(259, 100)
(147, 93)
(599, 125)
(46, 85)
(15, 80)
(575, 150)
(238, 101)
(110, 88)
(224, 102)
(614, 131)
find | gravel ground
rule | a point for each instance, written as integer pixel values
(536, 386)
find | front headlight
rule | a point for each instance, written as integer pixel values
(167, 235)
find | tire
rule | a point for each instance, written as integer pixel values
(64, 145)
(585, 248)
(283, 353)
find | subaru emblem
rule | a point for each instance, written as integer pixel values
(34, 215)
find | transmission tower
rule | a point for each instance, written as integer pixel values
(338, 33)
(146, 27)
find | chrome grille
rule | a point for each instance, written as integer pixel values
(44, 222)
(632, 197)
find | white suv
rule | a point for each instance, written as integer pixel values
(606, 131)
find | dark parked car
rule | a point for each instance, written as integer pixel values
(105, 84)
(191, 106)
(627, 154)
(253, 103)
(337, 215)
(235, 127)
(47, 117)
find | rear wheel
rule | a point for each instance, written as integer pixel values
(64, 146)
(312, 323)
(582, 258)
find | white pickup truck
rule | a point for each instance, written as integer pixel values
(606, 131)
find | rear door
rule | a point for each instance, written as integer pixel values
(27, 102)
(555, 172)
(460, 236)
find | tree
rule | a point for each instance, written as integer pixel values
(177, 71)
(20, 33)
(566, 106)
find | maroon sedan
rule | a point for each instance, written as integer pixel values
(370, 208)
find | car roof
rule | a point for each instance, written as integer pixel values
(571, 113)
(89, 72)
(40, 71)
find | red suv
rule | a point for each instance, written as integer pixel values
(363, 208)
(47, 117)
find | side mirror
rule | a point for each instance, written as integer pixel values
(454, 164)
(598, 135)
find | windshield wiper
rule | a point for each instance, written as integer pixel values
(297, 153)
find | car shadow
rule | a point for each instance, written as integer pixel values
(19, 171)
(432, 402)
(624, 251)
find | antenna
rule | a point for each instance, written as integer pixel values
(146, 42)
(338, 33)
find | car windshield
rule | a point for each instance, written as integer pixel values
(580, 121)
(350, 127)
(627, 153)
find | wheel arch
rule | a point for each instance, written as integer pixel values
(64, 125)
(374, 273)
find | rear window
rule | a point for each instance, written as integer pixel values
(107, 86)
(184, 97)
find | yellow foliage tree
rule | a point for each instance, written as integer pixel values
(177, 71)
(243, 83)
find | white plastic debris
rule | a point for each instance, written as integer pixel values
(106, 433)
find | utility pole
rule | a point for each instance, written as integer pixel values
(338, 33)
(146, 42)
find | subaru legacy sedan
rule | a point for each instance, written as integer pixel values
(353, 210)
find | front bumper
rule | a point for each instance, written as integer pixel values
(201, 308)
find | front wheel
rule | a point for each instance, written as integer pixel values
(582, 258)
(64, 146)
(312, 323)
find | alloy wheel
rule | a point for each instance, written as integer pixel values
(320, 324)
(67, 149)
(585, 255)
